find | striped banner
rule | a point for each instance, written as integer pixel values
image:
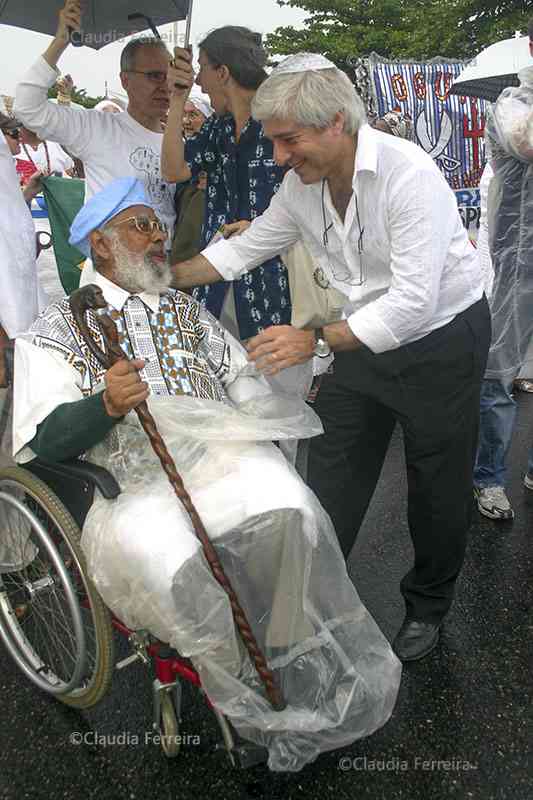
(448, 127)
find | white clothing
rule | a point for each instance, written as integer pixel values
(419, 268)
(21, 295)
(336, 670)
(59, 160)
(483, 249)
(201, 101)
(109, 145)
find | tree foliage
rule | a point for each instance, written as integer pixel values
(406, 29)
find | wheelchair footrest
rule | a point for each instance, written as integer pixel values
(248, 754)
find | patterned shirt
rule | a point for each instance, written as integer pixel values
(185, 349)
(242, 178)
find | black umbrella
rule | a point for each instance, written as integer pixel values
(103, 21)
(486, 88)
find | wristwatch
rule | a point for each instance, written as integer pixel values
(322, 348)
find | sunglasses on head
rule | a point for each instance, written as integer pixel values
(146, 225)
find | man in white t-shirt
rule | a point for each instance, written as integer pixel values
(109, 145)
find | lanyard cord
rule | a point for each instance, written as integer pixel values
(33, 162)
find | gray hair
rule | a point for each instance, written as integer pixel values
(127, 57)
(310, 98)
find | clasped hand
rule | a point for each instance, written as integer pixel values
(124, 387)
(180, 75)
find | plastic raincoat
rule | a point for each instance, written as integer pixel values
(510, 138)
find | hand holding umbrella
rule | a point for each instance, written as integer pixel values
(69, 25)
(181, 76)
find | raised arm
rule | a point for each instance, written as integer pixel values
(69, 17)
(174, 168)
(59, 123)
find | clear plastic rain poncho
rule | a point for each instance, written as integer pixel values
(510, 219)
(336, 670)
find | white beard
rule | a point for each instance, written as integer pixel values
(139, 273)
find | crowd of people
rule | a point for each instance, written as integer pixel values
(253, 236)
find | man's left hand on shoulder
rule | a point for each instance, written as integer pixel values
(280, 347)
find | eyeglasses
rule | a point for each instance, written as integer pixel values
(344, 275)
(154, 75)
(145, 225)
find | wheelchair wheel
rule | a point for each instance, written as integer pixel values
(169, 726)
(52, 620)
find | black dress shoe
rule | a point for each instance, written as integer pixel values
(415, 640)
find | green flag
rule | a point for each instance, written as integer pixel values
(64, 198)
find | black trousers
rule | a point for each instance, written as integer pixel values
(431, 388)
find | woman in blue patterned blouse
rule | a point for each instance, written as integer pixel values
(242, 175)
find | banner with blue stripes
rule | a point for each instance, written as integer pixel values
(448, 127)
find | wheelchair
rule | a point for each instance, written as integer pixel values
(54, 624)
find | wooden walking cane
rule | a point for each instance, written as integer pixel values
(91, 297)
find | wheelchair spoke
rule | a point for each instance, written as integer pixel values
(61, 621)
(46, 626)
(56, 613)
(59, 649)
(51, 618)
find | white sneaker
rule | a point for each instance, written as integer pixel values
(528, 480)
(493, 502)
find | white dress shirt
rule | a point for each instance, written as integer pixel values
(418, 267)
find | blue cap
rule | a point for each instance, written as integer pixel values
(118, 195)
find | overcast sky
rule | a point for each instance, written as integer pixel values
(90, 69)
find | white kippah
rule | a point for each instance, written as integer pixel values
(201, 102)
(303, 62)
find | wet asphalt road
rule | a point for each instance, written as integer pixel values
(462, 727)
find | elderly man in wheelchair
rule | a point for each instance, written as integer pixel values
(218, 418)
